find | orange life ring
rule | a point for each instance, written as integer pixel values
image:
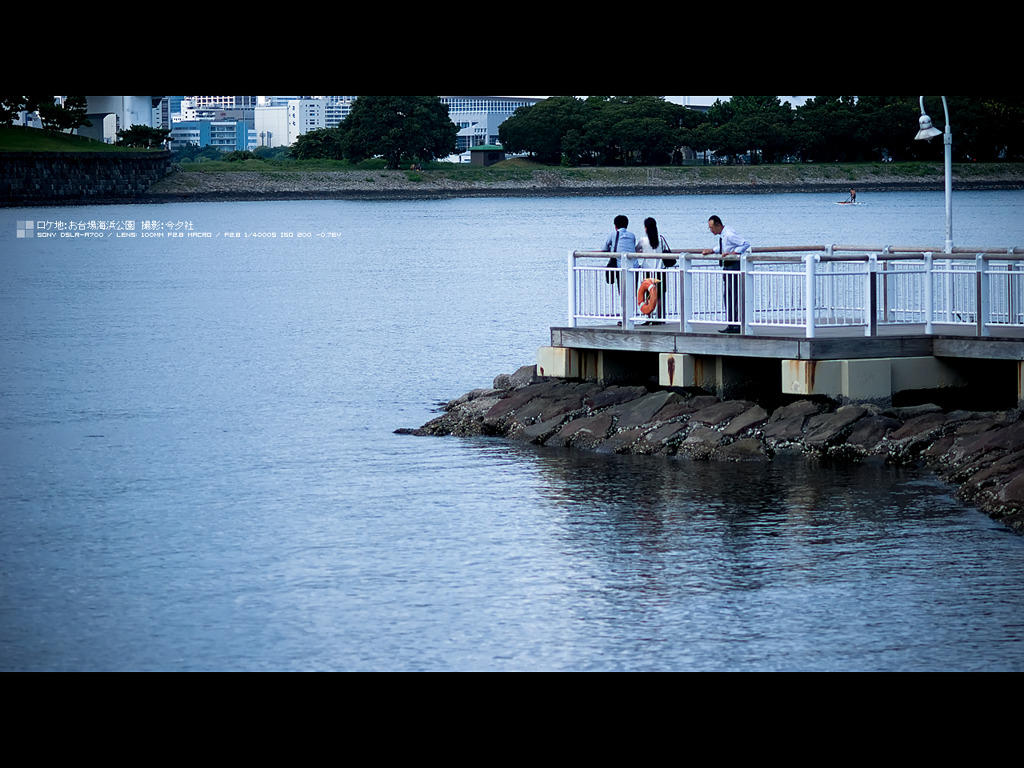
(647, 296)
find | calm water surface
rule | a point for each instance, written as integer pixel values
(198, 469)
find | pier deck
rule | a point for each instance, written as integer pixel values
(849, 322)
(789, 346)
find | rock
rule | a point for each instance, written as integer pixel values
(749, 419)
(508, 405)
(659, 440)
(614, 396)
(538, 432)
(642, 409)
(910, 412)
(700, 443)
(719, 413)
(1012, 493)
(829, 428)
(919, 426)
(583, 433)
(684, 407)
(624, 441)
(745, 449)
(869, 432)
(787, 422)
(524, 376)
(980, 452)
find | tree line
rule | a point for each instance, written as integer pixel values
(648, 130)
(69, 116)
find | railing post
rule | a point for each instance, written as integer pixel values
(746, 290)
(982, 293)
(929, 294)
(809, 296)
(626, 295)
(872, 318)
(680, 305)
(1010, 304)
(686, 294)
(887, 303)
(572, 289)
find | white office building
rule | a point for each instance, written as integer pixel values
(280, 120)
(478, 117)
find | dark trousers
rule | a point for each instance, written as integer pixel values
(731, 290)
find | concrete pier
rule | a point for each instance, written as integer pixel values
(844, 368)
(850, 322)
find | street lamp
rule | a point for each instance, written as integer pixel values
(928, 132)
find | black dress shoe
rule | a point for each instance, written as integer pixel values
(730, 329)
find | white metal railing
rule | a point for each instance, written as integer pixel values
(806, 288)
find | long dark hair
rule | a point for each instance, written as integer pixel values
(651, 227)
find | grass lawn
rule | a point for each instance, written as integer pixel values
(18, 138)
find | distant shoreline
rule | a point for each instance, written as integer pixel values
(217, 188)
(253, 181)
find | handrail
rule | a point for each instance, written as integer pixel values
(808, 287)
(1009, 253)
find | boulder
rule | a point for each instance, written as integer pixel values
(614, 395)
(582, 433)
(980, 452)
(868, 433)
(721, 412)
(700, 443)
(750, 418)
(642, 409)
(786, 423)
(744, 449)
(827, 429)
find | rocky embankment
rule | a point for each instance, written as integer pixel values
(981, 453)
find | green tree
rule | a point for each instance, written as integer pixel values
(890, 124)
(10, 108)
(323, 143)
(985, 128)
(143, 136)
(830, 128)
(641, 129)
(399, 129)
(1002, 130)
(67, 117)
(541, 130)
(764, 124)
(606, 130)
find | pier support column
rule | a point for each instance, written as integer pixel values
(682, 370)
(560, 362)
(725, 376)
(676, 370)
(868, 379)
(601, 365)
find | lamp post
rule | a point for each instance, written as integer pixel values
(926, 133)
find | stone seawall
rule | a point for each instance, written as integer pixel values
(72, 178)
(979, 452)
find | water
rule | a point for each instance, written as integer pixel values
(198, 469)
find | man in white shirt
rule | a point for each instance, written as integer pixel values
(730, 244)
